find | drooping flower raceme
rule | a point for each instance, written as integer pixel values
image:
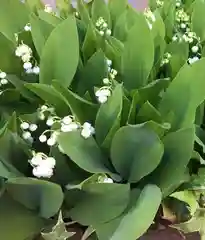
(102, 27)
(43, 166)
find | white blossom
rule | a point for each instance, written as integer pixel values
(33, 127)
(69, 127)
(36, 160)
(193, 60)
(106, 81)
(101, 33)
(51, 141)
(23, 50)
(43, 171)
(4, 81)
(50, 162)
(43, 138)
(36, 70)
(108, 32)
(50, 122)
(103, 94)
(24, 125)
(27, 28)
(108, 180)
(26, 135)
(41, 116)
(195, 49)
(44, 108)
(2, 75)
(27, 65)
(109, 62)
(87, 130)
(67, 120)
(29, 70)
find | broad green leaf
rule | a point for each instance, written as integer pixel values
(93, 73)
(60, 55)
(148, 112)
(82, 109)
(51, 96)
(49, 18)
(84, 152)
(42, 196)
(135, 152)
(116, 9)
(100, 203)
(19, 85)
(184, 95)
(138, 55)
(40, 31)
(198, 20)
(9, 26)
(151, 91)
(84, 13)
(9, 63)
(178, 147)
(90, 42)
(168, 14)
(133, 108)
(123, 227)
(109, 114)
(120, 30)
(16, 221)
(100, 9)
(189, 198)
(158, 27)
(34, 5)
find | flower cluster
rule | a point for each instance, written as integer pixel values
(65, 124)
(3, 80)
(104, 92)
(102, 27)
(43, 166)
(150, 17)
(166, 58)
(25, 53)
(27, 130)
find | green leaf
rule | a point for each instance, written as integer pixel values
(189, 198)
(117, 8)
(84, 14)
(9, 63)
(50, 96)
(100, 9)
(138, 55)
(121, 29)
(178, 147)
(60, 55)
(19, 85)
(82, 109)
(49, 18)
(100, 203)
(198, 20)
(135, 152)
(9, 26)
(42, 196)
(123, 227)
(148, 112)
(16, 221)
(34, 5)
(40, 31)
(93, 73)
(90, 42)
(152, 90)
(184, 95)
(109, 114)
(84, 152)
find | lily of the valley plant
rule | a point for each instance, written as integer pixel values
(102, 117)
